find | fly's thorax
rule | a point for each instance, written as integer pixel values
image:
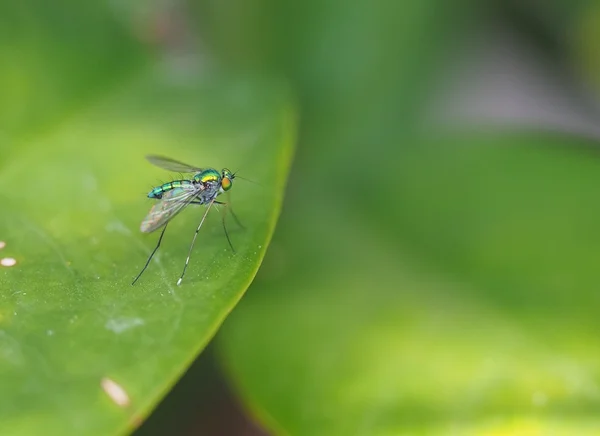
(207, 176)
(210, 180)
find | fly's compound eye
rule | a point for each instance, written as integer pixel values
(226, 184)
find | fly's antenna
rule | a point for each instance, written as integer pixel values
(243, 178)
(235, 176)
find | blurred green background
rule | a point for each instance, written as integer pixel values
(435, 267)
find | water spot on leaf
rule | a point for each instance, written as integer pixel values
(119, 325)
(115, 392)
(2, 245)
(8, 261)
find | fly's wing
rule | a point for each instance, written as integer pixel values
(171, 203)
(172, 164)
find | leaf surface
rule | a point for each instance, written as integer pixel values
(73, 331)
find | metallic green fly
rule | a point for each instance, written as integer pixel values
(202, 189)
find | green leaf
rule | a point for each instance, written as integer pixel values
(71, 325)
(470, 310)
(56, 58)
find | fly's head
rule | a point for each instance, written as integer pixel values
(227, 179)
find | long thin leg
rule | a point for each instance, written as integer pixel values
(225, 228)
(223, 214)
(228, 206)
(236, 219)
(152, 255)
(233, 214)
(193, 242)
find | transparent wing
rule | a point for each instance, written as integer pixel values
(172, 165)
(171, 203)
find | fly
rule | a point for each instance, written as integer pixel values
(172, 197)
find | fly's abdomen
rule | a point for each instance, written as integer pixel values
(175, 184)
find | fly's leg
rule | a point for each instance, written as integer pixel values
(236, 218)
(223, 215)
(187, 260)
(151, 255)
(228, 207)
(238, 222)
